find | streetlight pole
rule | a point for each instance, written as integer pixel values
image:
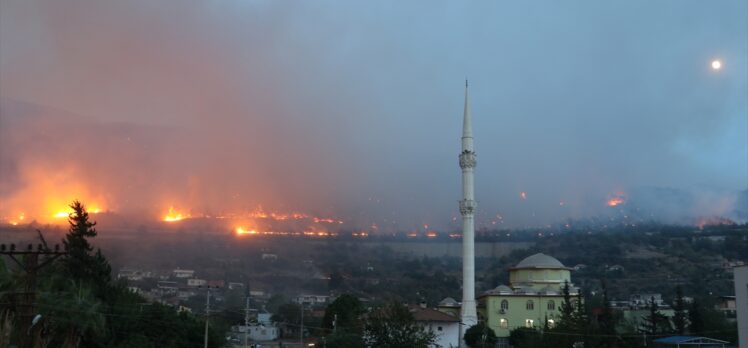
(301, 329)
(207, 313)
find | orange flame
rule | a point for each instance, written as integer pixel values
(173, 215)
(615, 201)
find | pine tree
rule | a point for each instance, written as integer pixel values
(567, 308)
(80, 264)
(653, 320)
(607, 320)
(695, 318)
(679, 306)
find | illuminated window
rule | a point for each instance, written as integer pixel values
(551, 323)
(551, 305)
(504, 304)
(503, 323)
(530, 305)
(529, 323)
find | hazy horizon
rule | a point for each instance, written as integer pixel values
(353, 111)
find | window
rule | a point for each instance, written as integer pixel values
(551, 305)
(530, 305)
(529, 323)
(503, 323)
(504, 305)
(551, 323)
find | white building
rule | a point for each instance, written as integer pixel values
(311, 299)
(741, 302)
(196, 282)
(183, 273)
(257, 332)
(446, 327)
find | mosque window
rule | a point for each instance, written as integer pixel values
(504, 305)
(530, 305)
(551, 305)
(529, 323)
(503, 323)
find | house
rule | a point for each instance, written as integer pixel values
(256, 332)
(446, 327)
(183, 273)
(727, 305)
(450, 306)
(196, 282)
(689, 341)
(311, 300)
(234, 285)
(642, 300)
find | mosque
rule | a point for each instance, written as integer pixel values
(535, 292)
(534, 295)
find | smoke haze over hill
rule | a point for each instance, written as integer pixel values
(353, 111)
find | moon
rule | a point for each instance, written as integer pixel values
(716, 64)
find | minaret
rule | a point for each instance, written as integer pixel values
(468, 313)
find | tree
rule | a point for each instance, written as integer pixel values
(480, 336)
(343, 339)
(80, 264)
(567, 309)
(607, 321)
(679, 307)
(343, 314)
(696, 318)
(393, 326)
(653, 322)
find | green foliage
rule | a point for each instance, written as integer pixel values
(680, 316)
(81, 263)
(81, 306)
(480, 336)
(343, 339)
(348, 310)
(393, 326)
(654, 322)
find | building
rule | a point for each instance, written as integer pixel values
(256, 332)
(183, 273)
(312, 300)
(741, 303)
(468, 313)
(196, 282)
(643, 300)
(534, 295)
(449, 306)
(727, 305)
(689, 341)
(446, 327)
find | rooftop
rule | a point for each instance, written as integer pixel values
(540, 261)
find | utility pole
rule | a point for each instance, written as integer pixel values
(301, 329)
(207, 314)
(246, 323)
(335, 323)
(30, 264)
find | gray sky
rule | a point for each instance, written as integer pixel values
(353, 109)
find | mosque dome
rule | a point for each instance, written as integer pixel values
(540, 261)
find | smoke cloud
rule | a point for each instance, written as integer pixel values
(353, 110)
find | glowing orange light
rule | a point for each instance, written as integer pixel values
(615, 201)
(173, 215)
(242, 231)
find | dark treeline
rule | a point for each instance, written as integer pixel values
(75, 303)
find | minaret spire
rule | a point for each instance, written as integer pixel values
(468, 312)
